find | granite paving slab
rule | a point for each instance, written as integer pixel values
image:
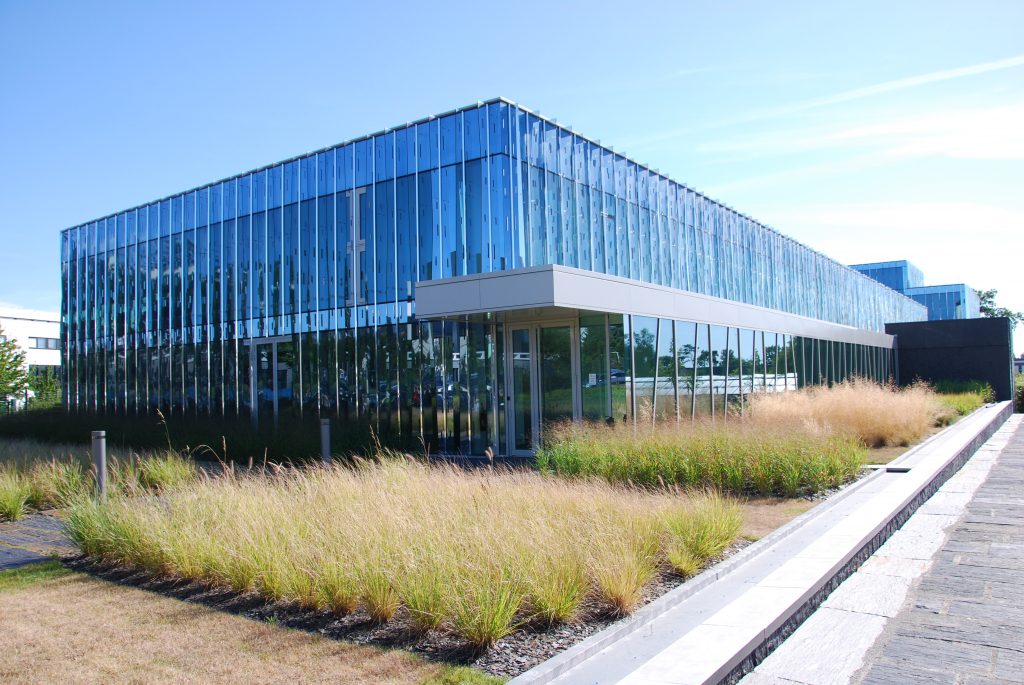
(37, 537)
(934, 556)
(964, 623)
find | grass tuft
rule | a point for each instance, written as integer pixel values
(15, 494)
(461, 675)
(35, 476)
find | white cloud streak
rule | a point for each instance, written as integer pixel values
(885, 87)
(977, 133)
(898, 85)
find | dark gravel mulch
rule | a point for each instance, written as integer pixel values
(526, 647)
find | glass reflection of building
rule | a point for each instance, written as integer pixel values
(291, 291)
(944, 302)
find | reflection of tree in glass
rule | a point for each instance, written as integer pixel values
(684, 356)
(643, 352)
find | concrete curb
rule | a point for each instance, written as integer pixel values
(779, 627)
(999, 414)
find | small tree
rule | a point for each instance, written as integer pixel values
(13, 372)
(990, 309)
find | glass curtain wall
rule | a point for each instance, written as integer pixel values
(578, 204)
(314, 260)
(685, 369)
(170, 304)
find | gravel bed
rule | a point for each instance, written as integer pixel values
(510, 656)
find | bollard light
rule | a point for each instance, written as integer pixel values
(99, 460)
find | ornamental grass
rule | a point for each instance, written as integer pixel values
(478, 553)
(35, 476)
(788, 444)
(732, 456)
(877, 415)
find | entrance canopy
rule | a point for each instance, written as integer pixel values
(543, 288)
(572, 344)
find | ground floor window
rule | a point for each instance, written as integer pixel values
(461, 386)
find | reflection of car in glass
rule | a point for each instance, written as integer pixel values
(618, 376)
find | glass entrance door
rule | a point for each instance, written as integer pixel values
(272, 378)
(543, 370)
(521, 402)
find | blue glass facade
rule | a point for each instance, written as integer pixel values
(292, 288)
(953, 301)
(898, 275)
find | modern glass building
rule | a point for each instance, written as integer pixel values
(898, 275)
(458, 282)
(951, 301)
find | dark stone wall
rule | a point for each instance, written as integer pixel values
(956, 350)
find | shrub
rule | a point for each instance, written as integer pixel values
(1019, 392)
(479, 552)
(294, 436)
(959, 404)
(980, 388)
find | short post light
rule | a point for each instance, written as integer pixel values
(99, 460)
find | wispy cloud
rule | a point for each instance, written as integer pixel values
(972, 133)
(894, 86)
(882, 88)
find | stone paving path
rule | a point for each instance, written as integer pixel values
(34, 538)
(849, 632)
(965, 621)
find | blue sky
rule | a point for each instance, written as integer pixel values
(869, 130)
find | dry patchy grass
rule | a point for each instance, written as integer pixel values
(762, 515)
(73, 628)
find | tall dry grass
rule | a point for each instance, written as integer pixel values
(734, 456)
(475, 552)
(36, 476)
(877, 415)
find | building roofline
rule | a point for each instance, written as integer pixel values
(942, 285)
(476, 105)
(294, 158)
(22, 314)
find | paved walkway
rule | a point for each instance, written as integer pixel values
(965, 621)
(940, 601)
(34, 538)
